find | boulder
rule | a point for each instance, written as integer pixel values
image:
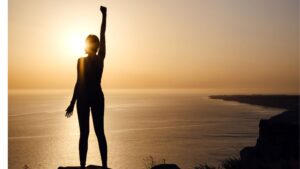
(78, 167)
(166, 166)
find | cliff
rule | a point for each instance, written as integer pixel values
(277, 146)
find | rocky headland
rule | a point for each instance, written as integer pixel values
(277, 145)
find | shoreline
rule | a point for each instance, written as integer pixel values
(288, 102)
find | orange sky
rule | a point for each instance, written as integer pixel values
(218, 44)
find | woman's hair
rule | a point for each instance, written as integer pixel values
(92, 43)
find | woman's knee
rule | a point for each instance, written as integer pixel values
(100, 133)
(84, 134)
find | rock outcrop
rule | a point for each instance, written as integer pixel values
(77, 167)
(277, 146)
(166, 166)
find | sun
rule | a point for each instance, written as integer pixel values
(76, 44)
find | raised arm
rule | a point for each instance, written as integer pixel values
(102, 46)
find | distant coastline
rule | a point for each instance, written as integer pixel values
(289, 102)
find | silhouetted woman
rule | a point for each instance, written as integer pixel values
(88, 93)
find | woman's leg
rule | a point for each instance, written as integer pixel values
(83, 112)
(98, 120)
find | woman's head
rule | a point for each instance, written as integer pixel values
(91, 44)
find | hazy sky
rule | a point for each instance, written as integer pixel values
(219, 44)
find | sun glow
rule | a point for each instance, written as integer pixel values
(76, 44)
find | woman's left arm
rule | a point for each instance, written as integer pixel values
(69, 110)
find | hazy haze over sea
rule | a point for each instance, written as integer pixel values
(183, 126)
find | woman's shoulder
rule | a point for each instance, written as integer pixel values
(81, 58)
(80, 61)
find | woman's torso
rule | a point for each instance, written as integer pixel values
(90, 71)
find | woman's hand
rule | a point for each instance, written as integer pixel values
(103, 9)
(69, 110)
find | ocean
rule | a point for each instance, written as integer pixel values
(185, 127)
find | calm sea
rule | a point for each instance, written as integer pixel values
(182, 126)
